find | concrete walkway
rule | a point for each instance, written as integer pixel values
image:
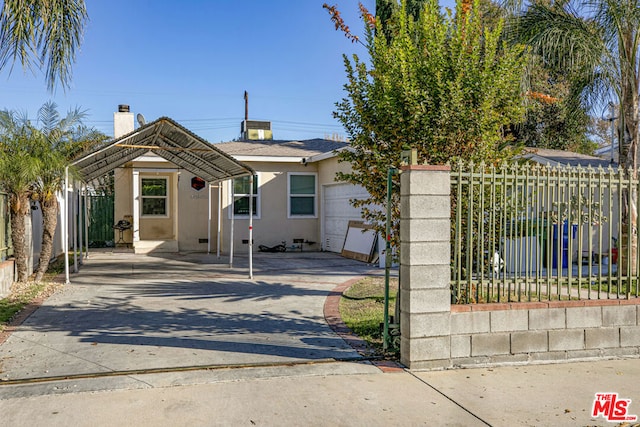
(271, 359)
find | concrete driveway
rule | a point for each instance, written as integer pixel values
(125, 312)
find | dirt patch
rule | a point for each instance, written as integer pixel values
(32, 295)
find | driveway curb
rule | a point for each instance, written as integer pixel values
(334, 320)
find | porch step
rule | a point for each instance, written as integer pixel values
(148, 246)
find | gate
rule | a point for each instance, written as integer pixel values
(100, 212)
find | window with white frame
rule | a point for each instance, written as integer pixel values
(241, 197)
(301, 195)
(154, 196)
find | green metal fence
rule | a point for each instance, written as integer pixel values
(100, 213)
(5, 228)
(537, 233)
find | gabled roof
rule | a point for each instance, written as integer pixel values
(169, 140)
(271, 148)
(546, 156)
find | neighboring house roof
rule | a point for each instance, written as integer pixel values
(546, 156)
(606, 149)
(272, 150)
(608, 152)
(169, 140)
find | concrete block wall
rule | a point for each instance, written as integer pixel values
(425, 302)
(436, 334)
(551, 331)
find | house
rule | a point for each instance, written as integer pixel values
(297, 198)
(609, 152)
(181, 193)
(547, 156)
(593, 205)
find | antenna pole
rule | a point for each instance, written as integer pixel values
(246, 105)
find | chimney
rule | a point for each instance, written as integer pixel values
(122, 121)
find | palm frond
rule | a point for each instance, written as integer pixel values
(61, 33)
(48, 117)
(72, 120)
(42, 33)
(563, 38)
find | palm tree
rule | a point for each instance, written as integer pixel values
(64, 137)
(19, 167)
(44, 33)
(32, 167)
(597, 43)
(53, 156)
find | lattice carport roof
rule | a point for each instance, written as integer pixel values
(169, 140)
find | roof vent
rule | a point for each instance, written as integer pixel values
(123, 108)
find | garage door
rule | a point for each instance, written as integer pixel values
(338, 212)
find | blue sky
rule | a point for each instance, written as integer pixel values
(192, 61)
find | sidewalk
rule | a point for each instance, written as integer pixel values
(337, 394)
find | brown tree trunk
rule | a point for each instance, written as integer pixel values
(19, 205)
(50, 221)
(628, 146)
(628, 252)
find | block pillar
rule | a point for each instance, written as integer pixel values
(425, 296)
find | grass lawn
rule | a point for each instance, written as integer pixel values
(362, 308)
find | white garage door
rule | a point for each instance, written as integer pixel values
(338, 212)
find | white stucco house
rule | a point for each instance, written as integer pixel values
(296, 195)
(181, 193)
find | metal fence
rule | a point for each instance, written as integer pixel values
(539, 233)
(5, 228)
(101, 210)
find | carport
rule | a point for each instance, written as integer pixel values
(172, 142)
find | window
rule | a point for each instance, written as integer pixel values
(154, 196)
(302, 194)
(241, 197)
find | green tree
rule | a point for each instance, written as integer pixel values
(553, 119)
(598, 42)
(445, 84)
(42, 33)
(33, 161)
(19, 167)
(386, 10)
(64, 137)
